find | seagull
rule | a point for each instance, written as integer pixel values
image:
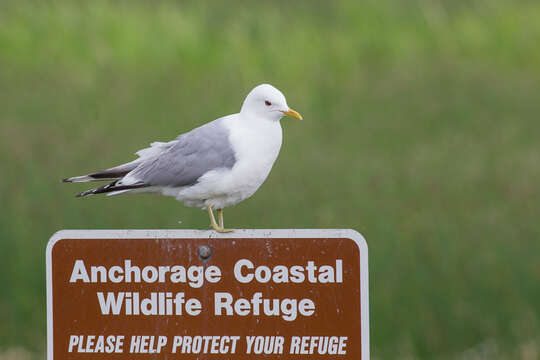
(214, 166)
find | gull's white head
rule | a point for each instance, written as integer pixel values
(267, 102)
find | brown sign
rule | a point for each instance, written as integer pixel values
(183, 294)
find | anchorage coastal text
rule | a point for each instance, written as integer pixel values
(225, 304)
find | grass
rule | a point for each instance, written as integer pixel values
(420, 132)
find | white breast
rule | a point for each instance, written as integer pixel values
(256, 144)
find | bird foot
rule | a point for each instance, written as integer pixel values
(220, 229)
(213, 224)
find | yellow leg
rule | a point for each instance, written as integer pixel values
(212, 218)
(220, 218)
(215, 226)
(221, 222)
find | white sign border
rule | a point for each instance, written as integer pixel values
(209, 234)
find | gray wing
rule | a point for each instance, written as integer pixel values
(193, 154)
(120, 171)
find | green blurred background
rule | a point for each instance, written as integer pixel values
(421, 131)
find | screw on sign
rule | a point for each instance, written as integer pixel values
(182, 294)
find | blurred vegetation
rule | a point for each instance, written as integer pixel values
(421, 132)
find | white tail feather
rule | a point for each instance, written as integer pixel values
(117, 192)
(84, 178)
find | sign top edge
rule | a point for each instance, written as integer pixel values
(210, 234)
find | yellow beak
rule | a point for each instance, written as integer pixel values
(293, 114)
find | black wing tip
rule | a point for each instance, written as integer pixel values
(110, 188)
(66, 180)
(85, 193)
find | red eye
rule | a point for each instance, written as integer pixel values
(267, 103)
